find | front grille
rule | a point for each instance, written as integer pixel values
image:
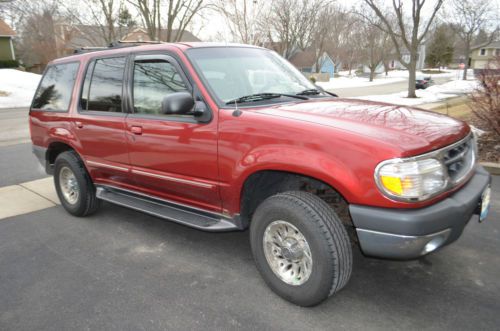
(459, 159)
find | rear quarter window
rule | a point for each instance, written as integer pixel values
(54, 91)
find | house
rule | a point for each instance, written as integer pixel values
(141, 34)
(480, 55)
(405, 54)
(305, 61)
(378, 70)
(70, 37)
(6, 44)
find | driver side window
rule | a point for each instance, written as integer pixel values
(154, 80)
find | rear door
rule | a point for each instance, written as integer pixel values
(100, 124)
(172, 156)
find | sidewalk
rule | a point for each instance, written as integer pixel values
(27, 197)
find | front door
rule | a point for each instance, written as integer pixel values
(172, 156)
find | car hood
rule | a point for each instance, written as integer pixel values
(413, 131)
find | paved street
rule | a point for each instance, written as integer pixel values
(13, 123)
(122, 270)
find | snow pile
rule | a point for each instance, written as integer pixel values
(432, 94)
(346, 82)
(17, 88)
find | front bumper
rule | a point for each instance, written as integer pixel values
(411, 233)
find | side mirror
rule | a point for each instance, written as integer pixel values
(178, 103)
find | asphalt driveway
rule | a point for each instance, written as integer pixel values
(122, 270)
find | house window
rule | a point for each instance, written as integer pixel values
(482, 51)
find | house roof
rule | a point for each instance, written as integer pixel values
(303, 59)
(91, 35)
(5, 29)
(306, 58)
(493, 44)
(186, 35)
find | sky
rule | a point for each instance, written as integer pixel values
(213, 24)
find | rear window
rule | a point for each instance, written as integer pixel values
(54, 92)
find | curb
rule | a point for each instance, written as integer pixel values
(493, 168)
(446, 103)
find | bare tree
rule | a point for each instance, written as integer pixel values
(179, 14)
(37, 43)
(344, 43)
(292, 24)
(149, 11)
(486, 98)
(374, 44)
(406, 34)
(244, 19)
(468, 18)
(325, 30)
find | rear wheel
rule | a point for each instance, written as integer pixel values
(74, 186)
(300, 247)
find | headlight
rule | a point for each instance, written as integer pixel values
(411, 179)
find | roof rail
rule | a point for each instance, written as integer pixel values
(88, 49)
(114, 44)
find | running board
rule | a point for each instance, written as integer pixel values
(195, 218)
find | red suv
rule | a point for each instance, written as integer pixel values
(230, 137)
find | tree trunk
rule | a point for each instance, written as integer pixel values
(466, 60)
(372, 73)
(412, 70)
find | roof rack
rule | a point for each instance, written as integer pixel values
(114, 44)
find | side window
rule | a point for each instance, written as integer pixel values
(54, 92)
(153, 80)
(102, 89)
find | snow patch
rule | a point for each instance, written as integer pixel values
(432, 94)
(19, 88)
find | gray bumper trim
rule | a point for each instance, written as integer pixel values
(396, 246)
(400, 233)
(41, 154)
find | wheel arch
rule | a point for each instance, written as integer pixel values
(264, 183)
(54, 148)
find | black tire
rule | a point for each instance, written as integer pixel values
(87, 202)
(327, 239)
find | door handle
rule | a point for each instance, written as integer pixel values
(136, 129)
(79, 124)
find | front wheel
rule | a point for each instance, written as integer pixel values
(300, 247)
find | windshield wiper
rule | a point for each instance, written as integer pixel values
(263, 96)
(311, 91)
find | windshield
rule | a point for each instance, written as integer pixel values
(235, 72)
